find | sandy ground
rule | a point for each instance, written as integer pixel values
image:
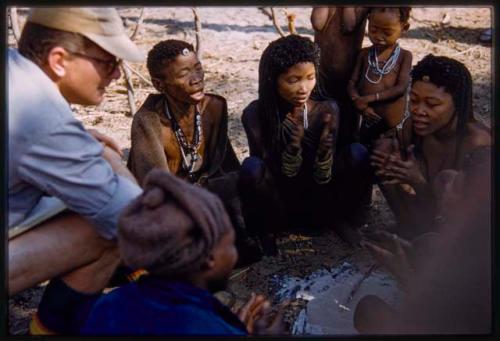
(232, 42)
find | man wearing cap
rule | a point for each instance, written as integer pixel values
(67, 185)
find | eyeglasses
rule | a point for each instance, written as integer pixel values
(109, 65)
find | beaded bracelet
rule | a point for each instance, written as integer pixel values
(290, 164)
(323, 170)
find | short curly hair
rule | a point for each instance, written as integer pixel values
(404, 12)
(163, 53)
(278, 57)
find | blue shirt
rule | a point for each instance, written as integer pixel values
(51, 153)
(156, 306)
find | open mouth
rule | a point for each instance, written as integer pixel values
(198, 95)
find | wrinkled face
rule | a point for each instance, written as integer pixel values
(431, 107)
(225, 257)
(296, 84)
(183, 79)
(385, 27)
(88, 73)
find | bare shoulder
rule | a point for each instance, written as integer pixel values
(406, 53)
(145, 118)
(215, 106)
(364, 52)
(478, 135)
(214, 101)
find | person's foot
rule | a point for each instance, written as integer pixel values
(486, 36)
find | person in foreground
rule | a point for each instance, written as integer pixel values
(295, 175)
(66, 189)
(188, 251)
(446, 275)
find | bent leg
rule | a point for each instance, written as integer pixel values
(67, 246)
(261, 208)
(225, 187)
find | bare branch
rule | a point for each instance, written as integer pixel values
(275, 23)
(138, 25)
(14, 23)
(137, 73)
(266, 12)
(197, 28)
(130, 89)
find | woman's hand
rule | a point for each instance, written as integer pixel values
(404, 172)
(384, 148)
(392, 252)
(326, 138)
(258, 316)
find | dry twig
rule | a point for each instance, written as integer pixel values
(197, 29)
(130, 89)
(138, 25)
(275, 23)
(266, 12)
(14, 23)
(138, 74)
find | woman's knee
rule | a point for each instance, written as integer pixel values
(252, 171)
(358, 155)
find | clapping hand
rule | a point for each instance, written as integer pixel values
(326, 138)
(259, 317)
(392, 252)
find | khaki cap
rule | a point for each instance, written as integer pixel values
(102, 26)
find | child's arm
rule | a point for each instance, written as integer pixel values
(352, 17)
(319, 17)
(402, 82)
(351, 86)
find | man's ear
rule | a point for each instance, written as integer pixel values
(158, 84)
(56, 61)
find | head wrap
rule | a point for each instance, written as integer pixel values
(172, 227)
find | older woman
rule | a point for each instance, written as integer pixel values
(440, 138)
(293, 175)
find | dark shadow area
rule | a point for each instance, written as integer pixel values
(434, 34)
(174, 26)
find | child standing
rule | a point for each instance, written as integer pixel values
(381, 75)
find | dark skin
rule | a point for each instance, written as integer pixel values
(257, 314)
(385, 99)
(182, 84)
(339, 32)
(294, 87)
(434, 121)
